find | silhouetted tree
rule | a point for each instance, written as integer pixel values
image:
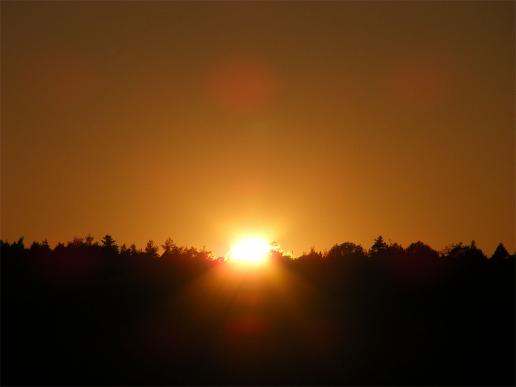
(346, 250)
(168, 246)
(133, 250)
(419, 250)
(19, 244)
(277, 256)
(76, 243)
(109, 244)
(379, 247)
(151, 249)
(500, 253)
(89, 240)
(125, 251)
(37, 247)
(311, 256)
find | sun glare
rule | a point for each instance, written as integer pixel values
(250, 250)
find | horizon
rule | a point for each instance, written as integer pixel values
(274, 245)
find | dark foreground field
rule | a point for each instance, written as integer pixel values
(88, 314)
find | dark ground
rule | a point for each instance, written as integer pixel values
(87, 315)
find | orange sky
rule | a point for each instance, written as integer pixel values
(311, 123)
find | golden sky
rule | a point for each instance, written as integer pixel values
(309, 122)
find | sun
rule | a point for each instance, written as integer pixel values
(250, 250)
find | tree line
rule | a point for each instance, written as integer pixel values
(169, 249)
(93, 312)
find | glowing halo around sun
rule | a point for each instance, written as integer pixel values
(250, 251)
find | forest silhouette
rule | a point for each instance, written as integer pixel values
(92, 312)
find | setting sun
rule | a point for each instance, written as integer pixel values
(250, 250)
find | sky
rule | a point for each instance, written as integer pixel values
(310, 123)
